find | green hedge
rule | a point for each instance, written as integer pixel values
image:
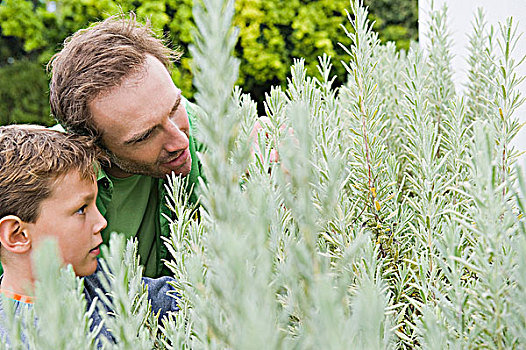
(272, 34)
(24, 94)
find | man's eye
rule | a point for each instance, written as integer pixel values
(143, 137)
(81, 210)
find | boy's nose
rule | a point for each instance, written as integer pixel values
(100, 224)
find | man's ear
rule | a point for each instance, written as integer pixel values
(13, 235)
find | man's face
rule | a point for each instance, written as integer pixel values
(144, 125)
(71, 217)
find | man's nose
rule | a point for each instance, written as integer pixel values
(176, 138)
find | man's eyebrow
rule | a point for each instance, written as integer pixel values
(177, 102)
(140, 135)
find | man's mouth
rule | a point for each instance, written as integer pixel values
(178, 160)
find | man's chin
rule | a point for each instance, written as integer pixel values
(183, 170)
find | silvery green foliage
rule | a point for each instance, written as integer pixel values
(474, 307)
(377, 197)
(53, 287)
(517, 321)
(481, 90)
(476, 294)
(441, 88)
(186, 247)
(259, 270)
(126, 297)
(425, 189)
(60, 318)
(388, 78)
(507, 98)
(493, 223)
(374, 213)
(49, 324)
(15, 322)
(234, 248)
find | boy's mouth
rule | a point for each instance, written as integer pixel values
(95, 251)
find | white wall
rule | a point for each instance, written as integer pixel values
(460, 17)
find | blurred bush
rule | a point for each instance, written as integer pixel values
(395, 20)
(24, 94)
(272, 34)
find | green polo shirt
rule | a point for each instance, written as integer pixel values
(133, 212)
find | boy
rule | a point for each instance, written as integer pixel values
(48, 189)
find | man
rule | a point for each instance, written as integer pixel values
(111, 82)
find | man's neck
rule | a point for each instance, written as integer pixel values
(115, 171)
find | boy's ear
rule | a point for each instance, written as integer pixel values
(13, 235)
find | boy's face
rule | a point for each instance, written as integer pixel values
(72, 218)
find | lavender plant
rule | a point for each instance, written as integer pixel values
(128, 320)
(481, 68)
(45, 325)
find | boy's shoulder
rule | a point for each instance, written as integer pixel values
(161, 293)
(17, 307)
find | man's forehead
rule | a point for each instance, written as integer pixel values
(123, 130)
(135, 105)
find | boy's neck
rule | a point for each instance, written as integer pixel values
(18, 280)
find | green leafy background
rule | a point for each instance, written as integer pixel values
(272, 33)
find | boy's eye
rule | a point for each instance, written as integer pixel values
(81, 210)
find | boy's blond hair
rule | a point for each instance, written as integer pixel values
(32, 158)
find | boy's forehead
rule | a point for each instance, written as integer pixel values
(76, 175)
(73, 184)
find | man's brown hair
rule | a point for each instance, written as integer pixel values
(32, 158)
(96, 59)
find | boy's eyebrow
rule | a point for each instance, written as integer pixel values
(141, 134)
(88, 197)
